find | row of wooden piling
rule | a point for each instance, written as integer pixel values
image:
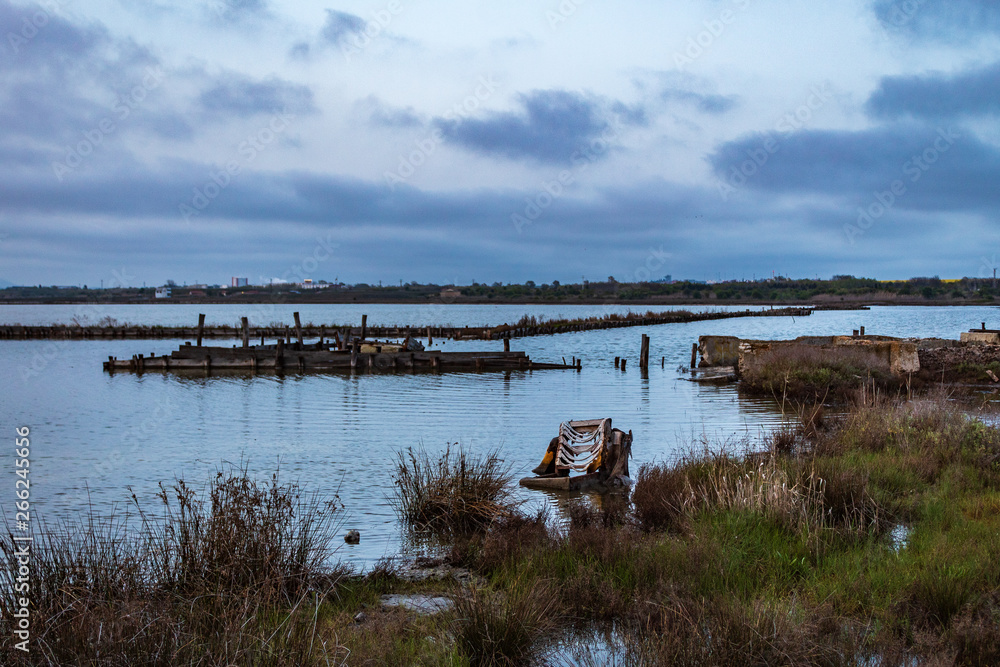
(246, 331)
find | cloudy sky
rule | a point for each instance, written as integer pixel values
(447, 141)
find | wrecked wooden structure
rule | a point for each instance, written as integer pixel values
(591, 447)
(344, 354)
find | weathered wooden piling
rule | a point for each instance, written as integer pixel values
(644, 352)
(506, 344)
(694, 354)
(617, 362)
(623, 363)
(298, 328)
(279, 354)
(364, 326)
(246, 331)
(201, 327)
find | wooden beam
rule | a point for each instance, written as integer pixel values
(298, 328)
(246, 331)
(201, 327)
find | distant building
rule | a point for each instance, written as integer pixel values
(240, 282)
(162, 292)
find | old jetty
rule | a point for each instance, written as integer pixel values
(525, 328)
(347, 354)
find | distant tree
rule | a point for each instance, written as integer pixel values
(530, 283)
(555, 283)
(171, 283)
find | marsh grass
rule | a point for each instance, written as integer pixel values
(806, 496)
(509, 627)
(458, 492)
(235, 577)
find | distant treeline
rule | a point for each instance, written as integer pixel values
(774, 290)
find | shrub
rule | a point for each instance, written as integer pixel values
(458, 493)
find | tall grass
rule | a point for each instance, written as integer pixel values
(459, 492)
(804, 495)
(505, 627)
(236, 577)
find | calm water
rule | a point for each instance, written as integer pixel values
(94, 435)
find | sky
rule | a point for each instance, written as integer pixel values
(449, 142)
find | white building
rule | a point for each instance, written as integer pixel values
(162, 292)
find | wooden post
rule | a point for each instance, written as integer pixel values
(579, 364)
(246, 332)
(694, 354)
(364, 326)
(279, 355)
(623, 363)
(984, 326)
(430, 341)
(862, 331)
(854, 333)
(298, 328)
(201, 327)
(663, 362)
(262, 340)
(506, 344)
(322, 335)
(644, 352)
(618, 362)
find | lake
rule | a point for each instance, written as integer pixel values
(94, 434)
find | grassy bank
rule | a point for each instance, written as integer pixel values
(873, 541)
(804, 372)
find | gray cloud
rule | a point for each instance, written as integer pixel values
(380, 114)
(939, 96)
(551, 127)
(240, 96)
(941, 167)
(949, 20)
(706, 103)
(340, 26)
(240, 10)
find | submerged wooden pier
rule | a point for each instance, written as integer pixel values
(348, 354)
(309, 359)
